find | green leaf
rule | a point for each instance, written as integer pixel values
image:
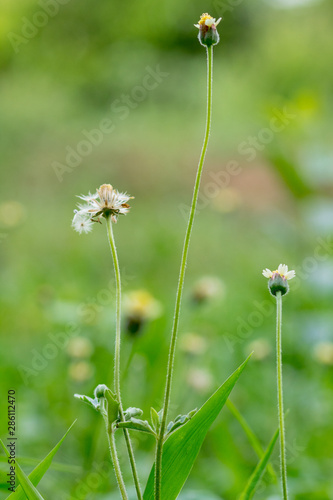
(36, 475)
(251, 436)
(132, 412)
(57, 466)
(113, 406)
(180, 420)
(30, 492)
(198, 495)
(250, 488)
(182, 447)
(95, 403)
(155, 419)
(136, 425)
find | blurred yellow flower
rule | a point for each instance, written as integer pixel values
(80, 371)
(140, 306)
(192, 343)
(200, 379)
(12, 213)
(79, 347)
(260, 347)
(323, 352)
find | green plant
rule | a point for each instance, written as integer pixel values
(178, 441)
(278, 286)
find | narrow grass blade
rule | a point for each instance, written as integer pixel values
(30, 492)
(57, 466)
(36, 475)
(250, 488)
(182, 447)
(251, 437)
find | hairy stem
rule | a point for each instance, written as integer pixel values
(160, 439)
(115, 461)
(117, 354)
(280, 395)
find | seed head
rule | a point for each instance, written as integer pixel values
(106, 202)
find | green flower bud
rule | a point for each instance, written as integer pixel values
(208, 34)
(278, 280)
(278, 284)
(99, 392)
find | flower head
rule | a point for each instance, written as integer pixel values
(208, 34)
(207, 288)
(278, 279)
(140, 306)
(106, 202)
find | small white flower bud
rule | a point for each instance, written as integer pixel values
(208, 34)
(278, 280)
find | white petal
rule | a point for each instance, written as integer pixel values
(83, 208)
(209, 22)
(218, 21)
(197, 26)
(123, 197)
(282, 269)
(88, 197)
(267, 273)
(123, 210)
(290, 275)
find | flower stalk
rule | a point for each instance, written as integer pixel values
(115, 461)
(118, 308)
(117, 352)
(283, 461)
(278, 286)
(160, 438)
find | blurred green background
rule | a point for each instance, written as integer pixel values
(68, 69)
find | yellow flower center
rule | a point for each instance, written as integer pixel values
(278, 272)
(204, 18)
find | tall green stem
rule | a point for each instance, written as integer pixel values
(160, 439)
(115, 461)
(118, 309)
(280, 394)
(117, 354)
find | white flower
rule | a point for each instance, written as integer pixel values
(208, 21)
(208, 34)
(106, 202)
(81, 223)
(282, 270)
